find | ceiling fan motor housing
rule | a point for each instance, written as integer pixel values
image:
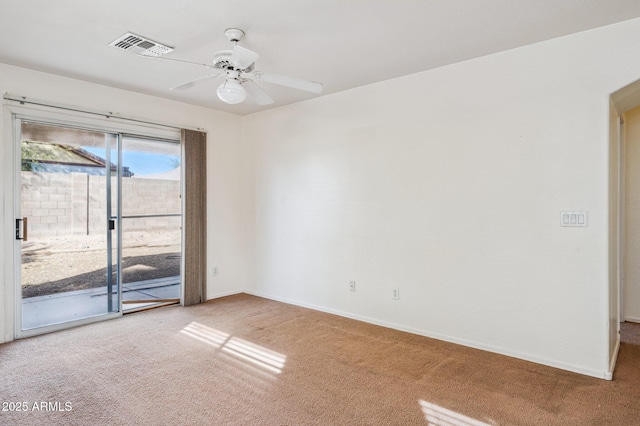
(222, 61)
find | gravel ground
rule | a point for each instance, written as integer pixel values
(54, 265)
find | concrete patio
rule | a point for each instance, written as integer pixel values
(74, 305)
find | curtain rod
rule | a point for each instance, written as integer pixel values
(23, 100)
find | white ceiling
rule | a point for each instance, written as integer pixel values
(341, 43)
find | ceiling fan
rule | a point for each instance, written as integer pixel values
(237, 67)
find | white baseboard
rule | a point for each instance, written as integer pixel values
(224, 294)
(632, 319)
(614, 359)
(451, 339)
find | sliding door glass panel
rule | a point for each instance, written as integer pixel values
(67, 270)
(151, 222)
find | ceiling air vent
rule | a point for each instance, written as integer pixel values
(140, 45)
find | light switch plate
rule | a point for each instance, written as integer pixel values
(573, 218)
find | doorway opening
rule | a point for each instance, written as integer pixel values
(624, 248)
(630, 218)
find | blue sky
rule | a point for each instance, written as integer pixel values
(141, 163)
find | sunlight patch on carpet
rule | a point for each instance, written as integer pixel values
(239, 348)
(439, 416)
(206, 334)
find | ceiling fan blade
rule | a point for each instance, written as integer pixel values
(241, 58)
(179, 60)
(283, 80)
(258, 95)
(190, 84)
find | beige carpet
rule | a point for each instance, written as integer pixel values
(630, 333)
(243, 360)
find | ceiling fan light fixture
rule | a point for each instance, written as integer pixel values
(231, 92)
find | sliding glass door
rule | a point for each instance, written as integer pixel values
(98, 224)
(65, 227)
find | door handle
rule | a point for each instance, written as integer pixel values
(24, 223)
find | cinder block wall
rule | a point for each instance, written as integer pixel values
(76, 204)
(47, 203)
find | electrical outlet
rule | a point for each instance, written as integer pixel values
(396, 294)
(352, 286)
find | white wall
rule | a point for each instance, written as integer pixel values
(631, 296)
(223, 160)
(449, 185)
